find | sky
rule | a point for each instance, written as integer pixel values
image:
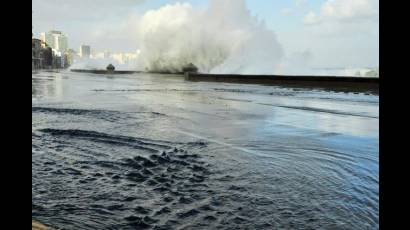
(335, 33)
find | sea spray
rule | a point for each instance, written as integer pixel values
(224, 38)
(102, 63)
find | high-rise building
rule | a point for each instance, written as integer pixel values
(85, 51)
(56, 40)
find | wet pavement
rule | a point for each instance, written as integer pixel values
(146, 151)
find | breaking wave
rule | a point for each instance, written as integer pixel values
(224, 38)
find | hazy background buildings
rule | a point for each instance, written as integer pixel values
(52, 51)
(85, 51)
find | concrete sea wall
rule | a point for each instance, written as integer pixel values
(336, 83)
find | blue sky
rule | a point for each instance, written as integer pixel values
(338, 33)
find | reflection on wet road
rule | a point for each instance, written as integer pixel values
(151, 151)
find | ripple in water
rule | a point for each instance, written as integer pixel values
(92, 178)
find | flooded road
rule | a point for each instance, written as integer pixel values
(149, 151)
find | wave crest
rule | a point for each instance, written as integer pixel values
(224, 38)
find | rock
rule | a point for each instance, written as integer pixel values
(37, 226)
(190, 68)
(110, 67)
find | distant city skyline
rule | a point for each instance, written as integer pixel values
(338, 33)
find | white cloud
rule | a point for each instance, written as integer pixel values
(350, 9)
(311, 19)
(340, 33)
(345, 11)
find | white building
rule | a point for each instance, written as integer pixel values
(85, 51)
(56, 40)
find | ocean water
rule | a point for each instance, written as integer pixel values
(148, 151)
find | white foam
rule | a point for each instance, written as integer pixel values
(224, 38)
